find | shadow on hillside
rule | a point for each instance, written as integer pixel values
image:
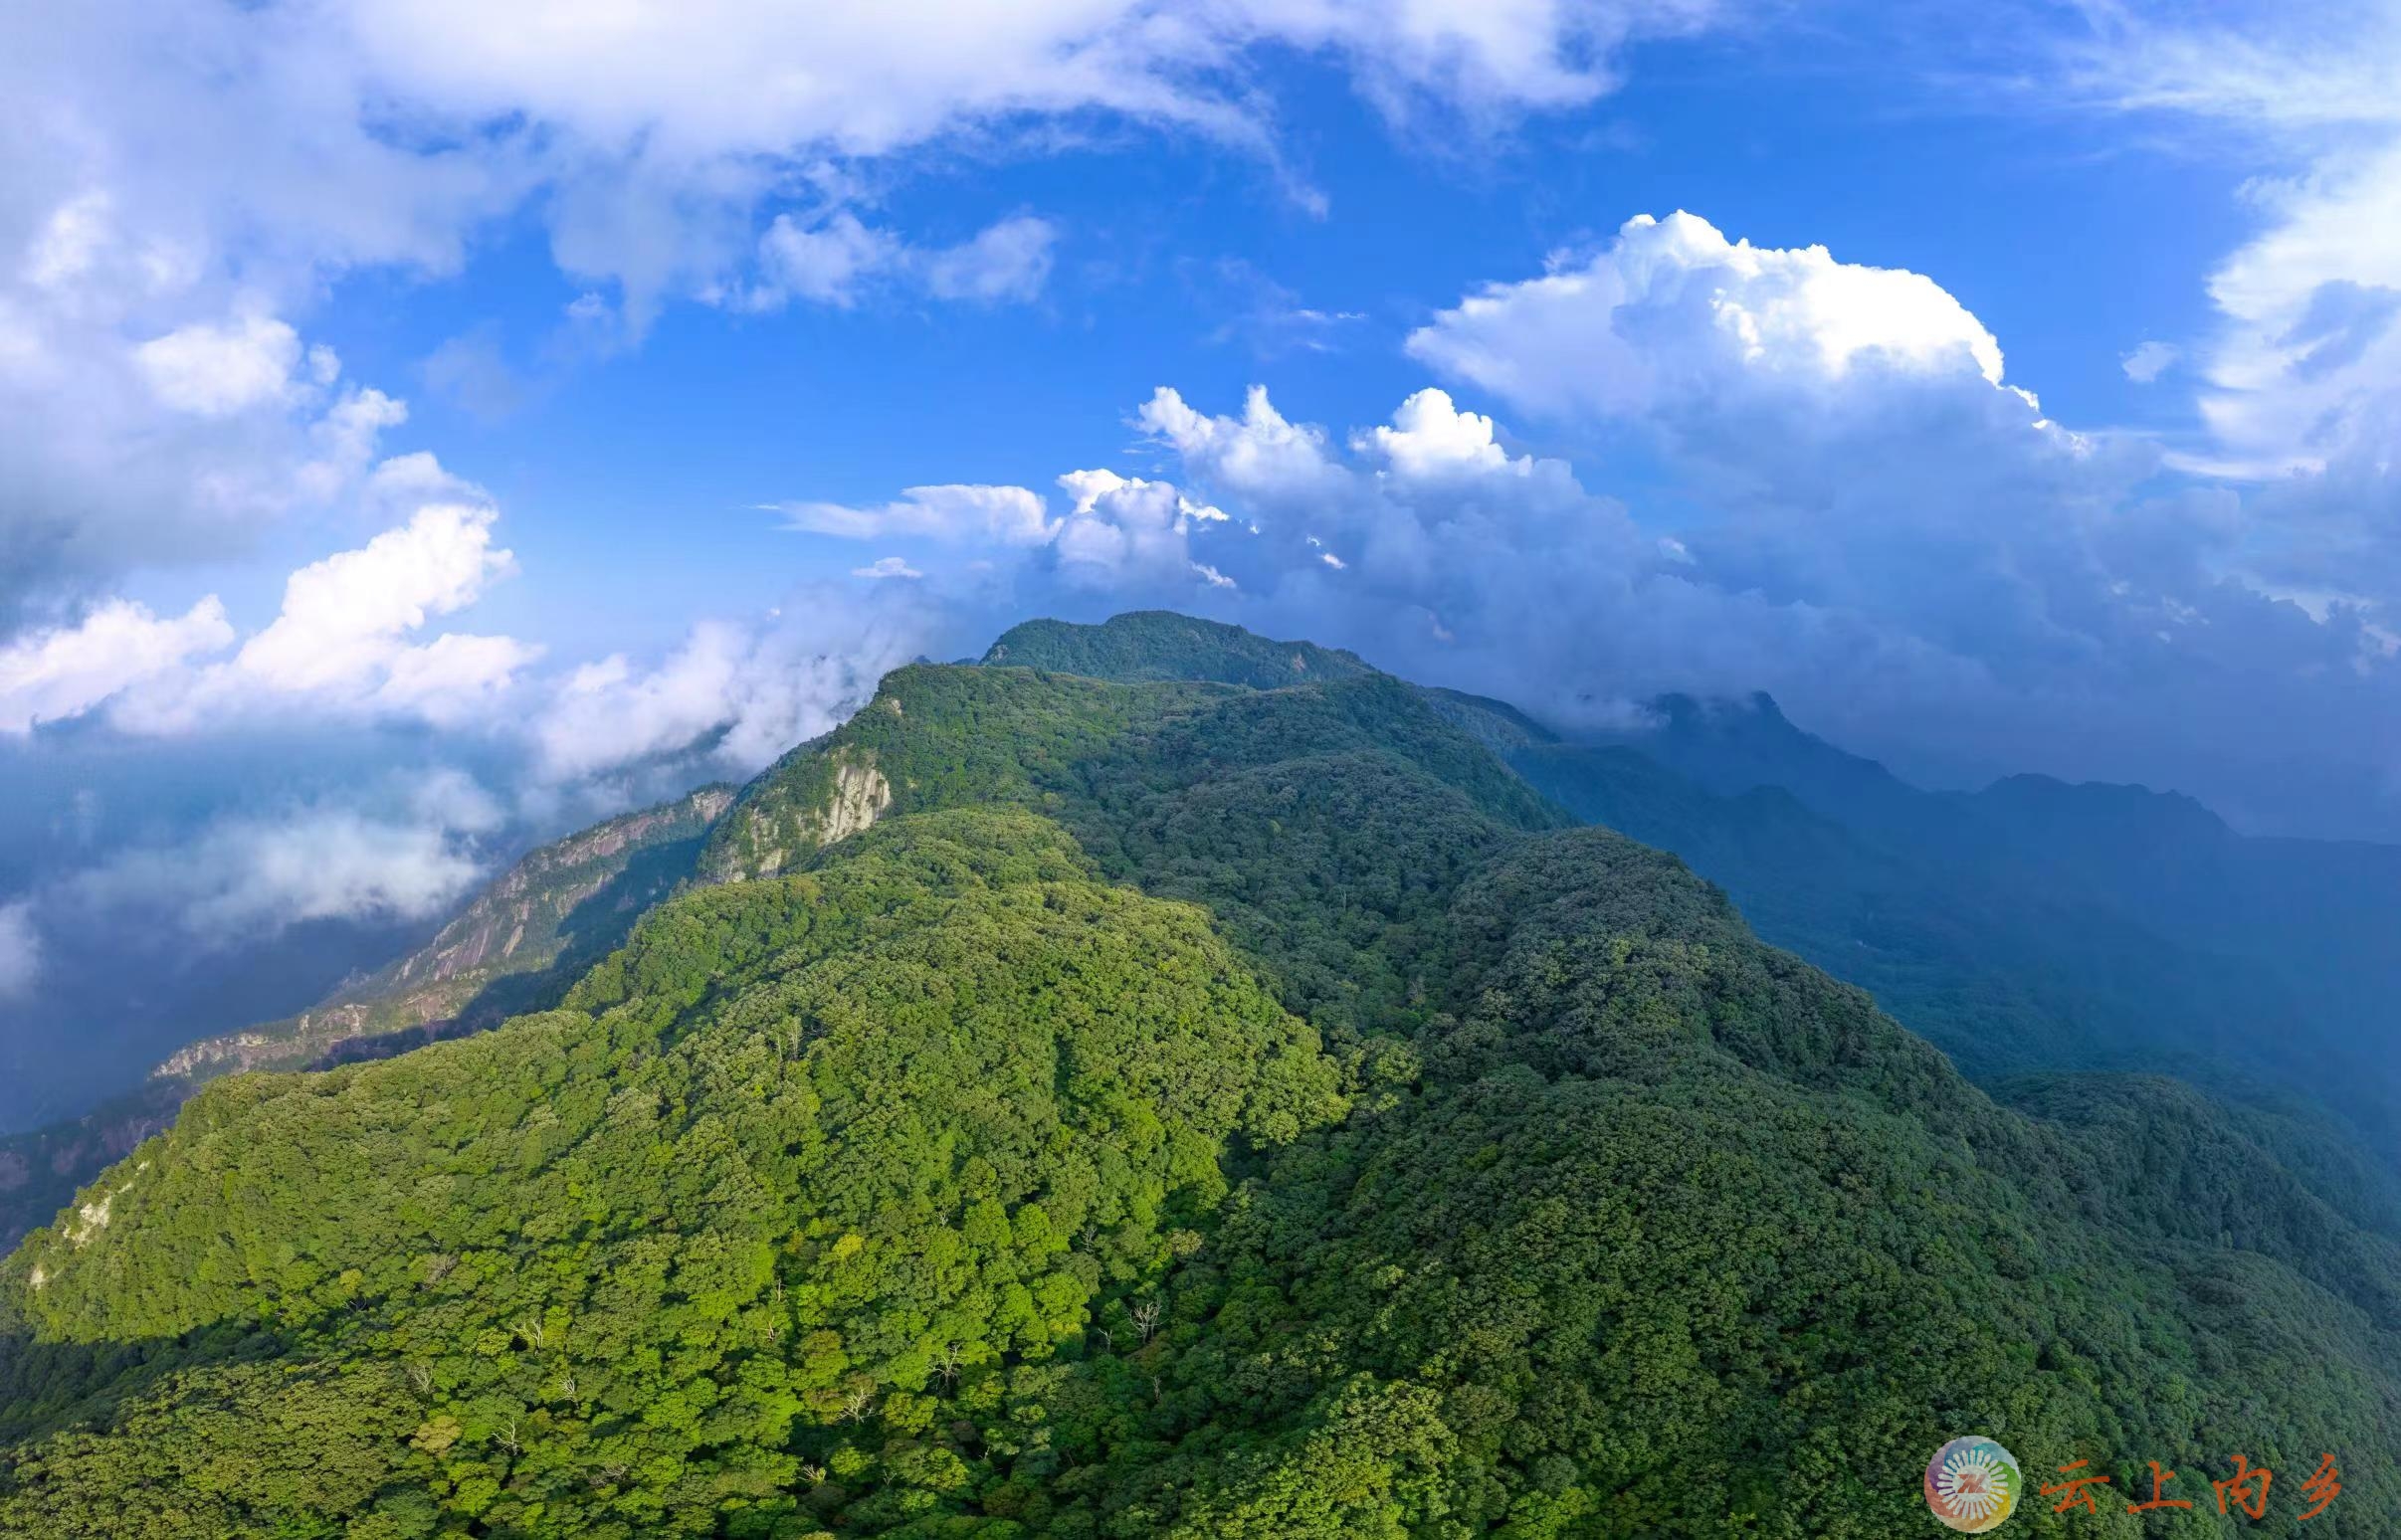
(48, 1385)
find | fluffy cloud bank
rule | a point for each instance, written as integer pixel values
(339, 645)
(55, 675)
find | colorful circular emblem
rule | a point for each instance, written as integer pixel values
(1972, 1485)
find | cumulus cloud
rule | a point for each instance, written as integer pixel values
(54, 675)
(1127, 535)
(1120, 533)
(1429, 436)
(1837, 494)
(343, 616)
(216, 370)
(1585, 336)
(20, 949)
(1868, 469)
(341, 643)
(181, 450)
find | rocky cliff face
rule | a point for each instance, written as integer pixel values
(800, 808)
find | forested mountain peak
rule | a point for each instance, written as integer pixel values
(1163, 644)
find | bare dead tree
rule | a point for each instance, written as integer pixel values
(1145, 1318)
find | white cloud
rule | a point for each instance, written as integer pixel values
(1894, 541)
(719, 79)
(1007, 515)
(1127, 535)
(2306, 367)
(20, 949)
(1258, 453)
(1007, 261)
(2149, 361)
(52, 675)
(453, 681)
(2302, 370)
(1430, 435)
(825, 263)
(343, 616)
(217, 370)
(288, 138)
(1584, 337)
(410, 852)
(732, 697)
(341, 644)
(834, 258)
(886, 568)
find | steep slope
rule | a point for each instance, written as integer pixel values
(517, 946)
(1184, 1111)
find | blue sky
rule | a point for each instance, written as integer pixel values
(421, 427)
